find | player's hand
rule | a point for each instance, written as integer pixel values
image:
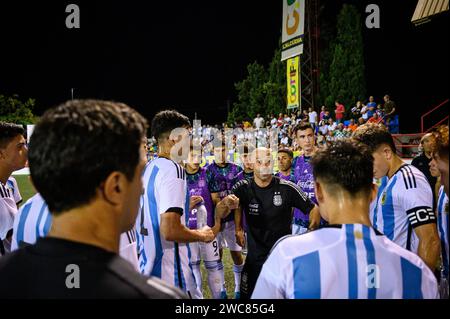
(240, 238)
(232, 201)
(194, 200)
(207, 234)
(314, 218)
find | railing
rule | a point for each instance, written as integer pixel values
(422, 126)
(407, 145)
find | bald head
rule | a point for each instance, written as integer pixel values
(427, 142)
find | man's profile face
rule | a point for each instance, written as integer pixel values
(194, 160)
(380, 162)
(246, 160)
(15, 153)
(442, 166)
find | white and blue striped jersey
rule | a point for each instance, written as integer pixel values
(442, 212)
(165, 190)
(10, 198)
(34, 221)
(404, 202)
(349, 262)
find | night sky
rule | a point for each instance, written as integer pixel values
(187, 55)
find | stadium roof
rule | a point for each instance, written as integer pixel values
(427, 8)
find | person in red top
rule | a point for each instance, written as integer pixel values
(340, 110)
(375, 119)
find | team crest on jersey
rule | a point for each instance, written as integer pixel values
(277, 201)
(202, 183)
(230, 175)
(383, 198)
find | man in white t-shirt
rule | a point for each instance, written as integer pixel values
(312, 118)
(258, 122)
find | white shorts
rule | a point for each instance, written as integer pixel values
(204, 251)
(227, 237)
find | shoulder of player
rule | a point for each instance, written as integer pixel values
(240, 184)
(293, 246)
(401, 252)
(287, 183)
(167, 168)
(411, 177)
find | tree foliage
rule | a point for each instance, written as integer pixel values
(14, 110)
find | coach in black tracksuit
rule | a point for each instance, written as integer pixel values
(267, 202)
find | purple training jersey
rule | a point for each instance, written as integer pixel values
(197, 186)
(303, 177)
(221, 180)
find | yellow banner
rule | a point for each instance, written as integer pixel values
(293, 82)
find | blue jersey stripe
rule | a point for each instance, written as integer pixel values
(388, 212)
(307, 276)
(48, 222)
(442, 232)
(352, 263)
(22, 221)
(156, 271)
(370, 251)
(38, 223)
(381, 188)
(412, 280)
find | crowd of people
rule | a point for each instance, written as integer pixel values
(365, 223)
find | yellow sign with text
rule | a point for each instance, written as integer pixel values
(293, 82)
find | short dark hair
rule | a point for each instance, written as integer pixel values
(374, 135)
(75, 146)
(347, 164)
(248, 148)
(302, 126)
(8, 131)
(286, 151)
(166, 121)
(441, 145)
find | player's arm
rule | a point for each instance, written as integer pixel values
(240, 238)
(417, 201)
(429, 244)
(171, 203)
(215, 198)
(173, 230)
(226, 206)
(301, 201)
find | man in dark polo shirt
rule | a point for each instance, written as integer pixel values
(86, 158)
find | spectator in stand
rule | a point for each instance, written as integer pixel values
(339, 133)
(339, 111)
(322, 112)
(356, 111)
(258, 122)
(273, 122)
(284, 140)
(371, 107)
(389, 108)
(361, 121)
(327, 115)
(323, 127)
(280, 120)
(364, 113)
(375, 119)
(312, 115)
(287, 119)
(331, 125)
(352, 126)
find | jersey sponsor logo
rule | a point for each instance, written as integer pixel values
(277, 200)
(421, 215)
(202, 183)
(253, 208)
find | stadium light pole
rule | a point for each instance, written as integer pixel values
(71, 90)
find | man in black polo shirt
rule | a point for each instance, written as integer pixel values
(267, 202)
(86, 159)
